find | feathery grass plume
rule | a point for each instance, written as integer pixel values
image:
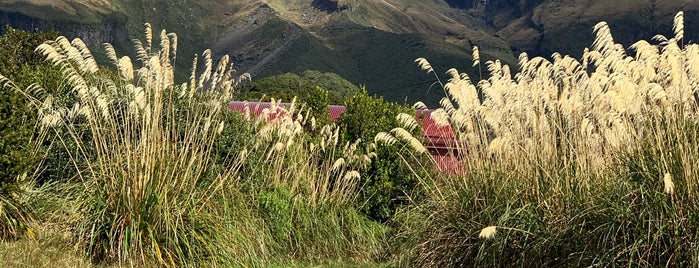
(424, 65)
(476, 56)
(453, 73)
(499, 145)
(339, 163)
(523, 59)
(88, 61)
(488, 232)
(125, 68)
(669, 186)
(420, 105)
(149, 37)
(678, 26)
(604, 41)
(58, 54)
(352, 175)
(440, 117)
(164, 49)
(407, 121)
(447, 105)
(193, 77)
(243, 78)
(692, 64)
(208, 65)
(220, 127)
(141, 53)
(385, 137)
(404, 135)
(173, 41)
(111, 53)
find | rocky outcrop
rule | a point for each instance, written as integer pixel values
(112, 29)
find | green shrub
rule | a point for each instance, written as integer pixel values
(19, 64)
(22, 66)
(289, 85)
(389, 181)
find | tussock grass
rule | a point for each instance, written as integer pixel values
(570, 163)
(166, 176)
(573, 162)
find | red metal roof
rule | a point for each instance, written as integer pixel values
(439, 140)
(258, 108)
(336, 111)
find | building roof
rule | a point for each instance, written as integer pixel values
(439, 140)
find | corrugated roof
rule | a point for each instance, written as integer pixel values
(439, 140)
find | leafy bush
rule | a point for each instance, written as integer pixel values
(24, 67)
(389, 181)
(289, 85)
(19, 64)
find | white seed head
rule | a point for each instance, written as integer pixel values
(339, 163)
(488, 232)
(669, 185)
(424, 65)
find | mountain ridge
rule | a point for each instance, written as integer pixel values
(372, 42)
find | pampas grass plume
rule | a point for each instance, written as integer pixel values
(424, 65)
(488, 232)
(339, 163)
(385, 138)
(352, 175)
(669, 185)
(678, 25)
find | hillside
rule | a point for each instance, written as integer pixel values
(547, 26)
(371, 42)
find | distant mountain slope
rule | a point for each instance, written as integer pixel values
(547, 26)
(372, 42)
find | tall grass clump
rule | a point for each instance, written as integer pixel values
(570, 162)
(305, 186)
(146, 183)
(165, 175)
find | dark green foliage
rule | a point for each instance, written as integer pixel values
(339, 88)
(389, 180)
(19, 64)
(316, 101)
(289, 85)
(15, 133)
(236, 135)
(312, 89)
